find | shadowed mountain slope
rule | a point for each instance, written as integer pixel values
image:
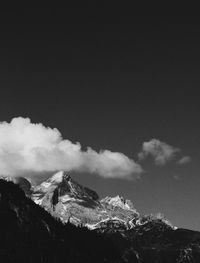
(30, 234)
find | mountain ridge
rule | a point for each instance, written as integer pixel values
(113, 240)
(71, 202)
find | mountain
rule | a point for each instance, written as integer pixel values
(119, 234)
(66, 199)
(29, 234)
(148, 238)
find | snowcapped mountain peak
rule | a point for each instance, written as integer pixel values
(51, 183)
(119, 201)
(65, 198)
(57, 178)
(65, 189)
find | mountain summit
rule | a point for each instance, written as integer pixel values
(66, 199)
(62, 185)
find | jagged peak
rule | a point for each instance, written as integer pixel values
(59, 177)
(66, 186)
(55, 180)
(119, 201)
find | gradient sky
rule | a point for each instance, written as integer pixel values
(111, 80)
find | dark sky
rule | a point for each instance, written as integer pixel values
(111, 80)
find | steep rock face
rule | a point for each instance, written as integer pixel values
(62, 185)
(118, 202)
(66, 199)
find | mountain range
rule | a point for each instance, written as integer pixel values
(60, 220)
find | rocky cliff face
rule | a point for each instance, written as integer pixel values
(66, 199)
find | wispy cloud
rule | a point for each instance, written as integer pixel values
(161, 152)
(184, 160)
(26, 147)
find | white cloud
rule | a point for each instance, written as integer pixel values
(160, 151)
(31, 148)
(184, 160)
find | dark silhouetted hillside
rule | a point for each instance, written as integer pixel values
(30, 234)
